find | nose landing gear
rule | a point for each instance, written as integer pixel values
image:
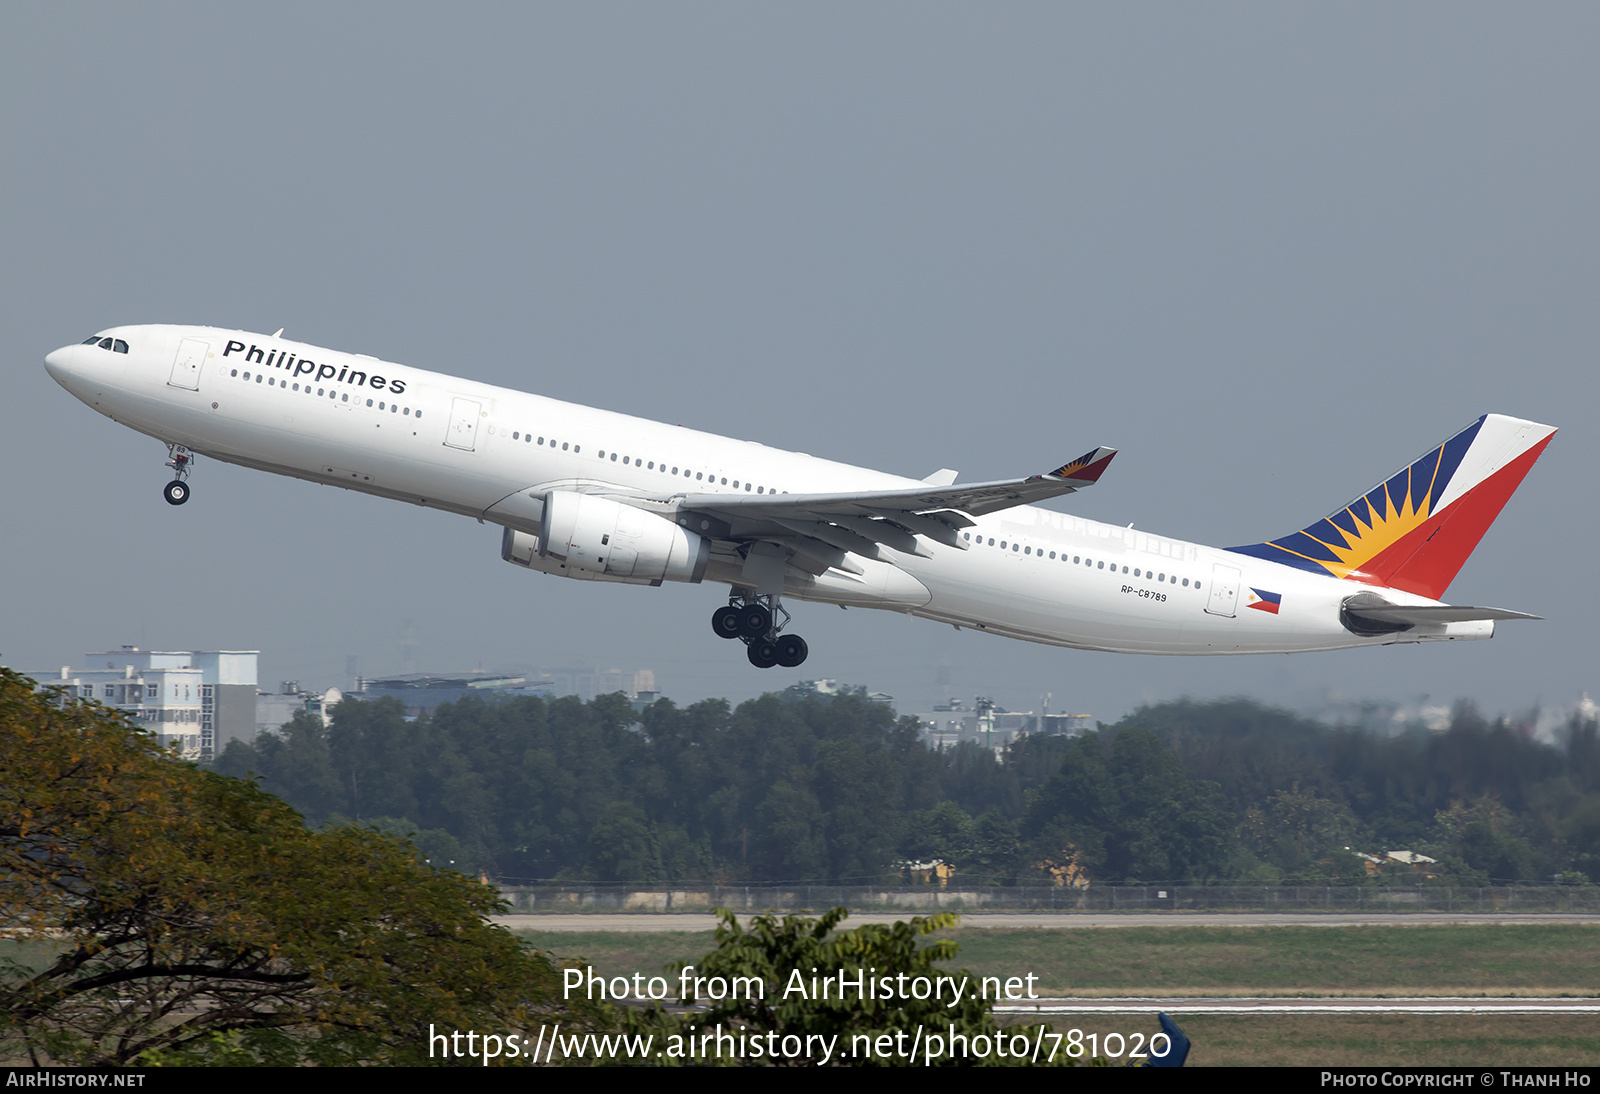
(753, 620)
(180, 459)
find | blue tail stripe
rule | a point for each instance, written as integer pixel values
(1328, 533)
(1302, 544)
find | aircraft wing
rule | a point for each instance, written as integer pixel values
(826, 527)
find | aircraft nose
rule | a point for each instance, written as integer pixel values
(58, 363)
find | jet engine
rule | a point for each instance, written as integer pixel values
(596, 539)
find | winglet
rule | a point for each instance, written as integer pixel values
(1087, 467)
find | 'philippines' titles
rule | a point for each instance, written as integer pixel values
(281, 358)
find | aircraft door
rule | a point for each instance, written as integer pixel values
(186, 366)
(1224, 591)
(463, 431)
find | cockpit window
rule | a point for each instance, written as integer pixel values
(105, 343)
(120, 346)
(91, 340)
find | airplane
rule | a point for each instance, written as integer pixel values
(599, 496)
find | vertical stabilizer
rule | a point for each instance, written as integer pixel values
(1414, 530)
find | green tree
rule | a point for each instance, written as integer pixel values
(1131, 812)
(790, 956)
(195, 915)
(1303, 834)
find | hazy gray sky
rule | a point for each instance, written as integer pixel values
(1270, 252)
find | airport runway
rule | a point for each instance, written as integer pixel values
(641, 922)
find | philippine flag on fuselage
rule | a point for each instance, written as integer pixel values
(1263, 601)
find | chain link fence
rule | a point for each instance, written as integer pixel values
(1527, 899)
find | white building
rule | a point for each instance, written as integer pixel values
(192, 700)
(991, 727)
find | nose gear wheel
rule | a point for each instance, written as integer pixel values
(180, 459)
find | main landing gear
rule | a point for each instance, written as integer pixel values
(751, 620)
(180, 459)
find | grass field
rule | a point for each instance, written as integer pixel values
(1495, 960)
(1282, 961)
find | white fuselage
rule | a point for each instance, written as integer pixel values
(1025, 572)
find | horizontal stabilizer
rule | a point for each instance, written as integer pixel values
(1435, 613)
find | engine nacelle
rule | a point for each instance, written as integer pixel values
(597, 539)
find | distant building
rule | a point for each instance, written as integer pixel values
(193, 700)
(587, 683)
(273, 709)
(830, 687)
(420, 692)
(991, 726)
(1375, 863)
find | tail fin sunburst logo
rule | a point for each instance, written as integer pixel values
(1415, 530)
